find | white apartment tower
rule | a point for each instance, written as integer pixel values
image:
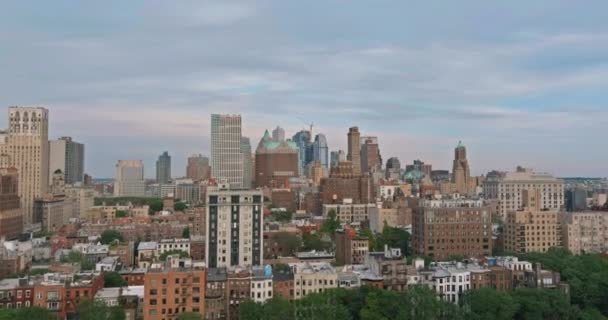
(129, 180)
(226, 156)
(26, 147)
(234, 220)
(507, 189)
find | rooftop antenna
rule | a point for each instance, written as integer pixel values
(310, 125)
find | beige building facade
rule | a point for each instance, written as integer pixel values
(585, 232)
(26, 147)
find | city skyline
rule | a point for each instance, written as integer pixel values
(516, 91)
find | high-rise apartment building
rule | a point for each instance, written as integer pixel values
(507, 189)
(26, 147)
(226, 155)
(278, 134)
(371, 161)
(129, 180)
(337, 157)
(163, 168)
(275, 162)
(234, 221)
(198, 168)
(247, 162)
(453, 227)
(585, 232)
(354, 149)
(532, 228)
(320, 151)
(68, 156)
(461, 174)
(11, 216)
(173, 288)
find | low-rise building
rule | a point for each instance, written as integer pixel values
(348, 212)
(174, 287)
(261, 284)
(391, 265)
(215, 295)
(312, 278)
(350, 247)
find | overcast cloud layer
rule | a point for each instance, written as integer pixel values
(520, 82)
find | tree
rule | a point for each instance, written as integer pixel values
(182, 254)
(27, 314)
(186, 233)
(109, 236)
(180, 206)
(282, 216)
(367, 232)
(543, 304)
(314, 242)
(489, 304)
(291, 243)
(120, 214)
(97, 310)
(113, 280)
(249, 310)
(155, 205)
(190, 316)
(331, 223)
(394, 238)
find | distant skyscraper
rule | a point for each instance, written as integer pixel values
(129, 180)
(67, 156)
(354, 149)
(11, 216)
(461, 173)
(226, 156)
(275, 162)
(246, 152)
(26, 147)
(302, 140)
(198, 168)
(336, 157)
(320, 150)
(371, 160)
(278, 134)
(163, 168)
(393, 168)
(576, 199)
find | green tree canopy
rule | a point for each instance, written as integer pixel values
(190, 316)
(109, 236)
(489, 304)
(394, 238)
(97, 310)
(314, 242)
(156, 205)
(120, 214)
(113, 280)
(180, 206)
(182, 254)
(331, 224)
(290, 242)
(30, 313)
(186, 233)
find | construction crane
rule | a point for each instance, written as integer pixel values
(310, 125)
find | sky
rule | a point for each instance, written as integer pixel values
(519, 82)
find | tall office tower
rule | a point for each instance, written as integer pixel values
(461, 173)
(246, 152)
(275, 162)
(336, 157)
(371, 161)
(320, 150)
(393, 168)
(226, 156)
(234, 221)
(198, 168)
(11, 216)
(302, 140)
(163, 168)
(26, 147)
(68, 156)
(129, 180)
(507, 189)
(278, 134)
(354, 149)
